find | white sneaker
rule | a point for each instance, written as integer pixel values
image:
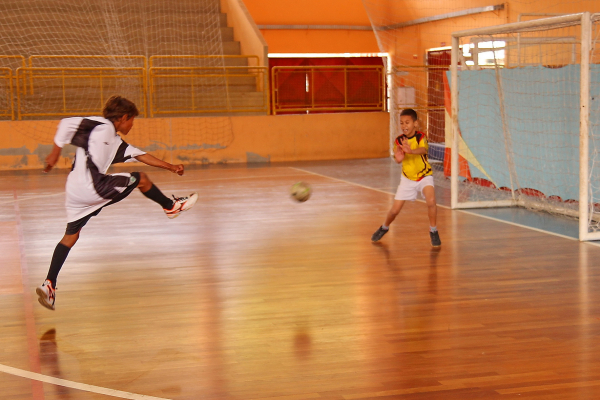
(46, 294)
(181, 204)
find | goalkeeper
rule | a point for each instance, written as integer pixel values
(410, 149)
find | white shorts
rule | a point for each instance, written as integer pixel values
(407, 190)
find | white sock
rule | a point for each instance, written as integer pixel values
(385, 228)
(433, 229)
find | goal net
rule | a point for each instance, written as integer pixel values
(526, 118)
(60, 58)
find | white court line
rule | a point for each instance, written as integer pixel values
(463, 211)
(75, 385)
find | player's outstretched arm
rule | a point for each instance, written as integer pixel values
(52, 158)
(155, 162)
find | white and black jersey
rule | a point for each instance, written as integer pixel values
(99, 146)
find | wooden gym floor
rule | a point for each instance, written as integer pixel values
(252, 296)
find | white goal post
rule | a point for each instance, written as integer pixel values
(525, 118)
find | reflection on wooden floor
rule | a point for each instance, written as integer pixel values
(253, 296)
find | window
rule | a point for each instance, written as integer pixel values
(484, 54)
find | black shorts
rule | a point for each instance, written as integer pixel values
(75, 226)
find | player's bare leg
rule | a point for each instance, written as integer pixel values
(70, 240)
(429, 193)
(394, 211)
(145, 182)
(391, 216)
(172, 207)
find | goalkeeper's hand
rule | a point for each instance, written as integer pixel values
(399, 155)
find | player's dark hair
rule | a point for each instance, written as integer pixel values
(410, 112)
(117, 106)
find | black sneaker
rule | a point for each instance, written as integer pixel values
(379, 234)
(435, 239)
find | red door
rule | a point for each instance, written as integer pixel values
(329, 87)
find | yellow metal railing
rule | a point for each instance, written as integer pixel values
(74, 91)
(18, 61)
(101, 61)
(328, 88)
(185, 84)
(8, 109)
(203, 60)
(73, 61)
(13, 62)
(191, 90)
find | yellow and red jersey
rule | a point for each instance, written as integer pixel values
(415, 166)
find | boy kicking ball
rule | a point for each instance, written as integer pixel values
(89, 188)
(410, 149)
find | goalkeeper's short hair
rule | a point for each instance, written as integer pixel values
(409, 111)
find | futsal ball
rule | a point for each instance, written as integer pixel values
(300, 191)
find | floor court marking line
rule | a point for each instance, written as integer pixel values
(75, 385)
(449, 208)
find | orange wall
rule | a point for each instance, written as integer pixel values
(313, 12)
(25, 144)
(311, 41)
